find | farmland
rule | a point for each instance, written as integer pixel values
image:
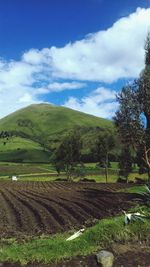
(34, 208)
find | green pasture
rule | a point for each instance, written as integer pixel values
(47, 172)
(9, 169)
(45, 120)
(17, 142)
(19, 149)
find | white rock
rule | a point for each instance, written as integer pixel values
(105, 258)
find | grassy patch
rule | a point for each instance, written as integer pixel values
(20, 149)
(9, 169)
(135, 189)
(100, 178)
(114, 165)
(17, 142)
(132, 176)
(40, 178)
(55, 248)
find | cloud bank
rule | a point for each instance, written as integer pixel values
(103, 57)
(101, 102)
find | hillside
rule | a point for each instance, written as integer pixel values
(45, 125)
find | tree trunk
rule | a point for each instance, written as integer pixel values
(106, 173)
(106, 168)
(68, 172)
(146, 158)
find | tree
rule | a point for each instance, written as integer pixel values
(125, 162)
(133, 117)
(104, 144)
(68, 154)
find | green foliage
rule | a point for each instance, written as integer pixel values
(125, 162)
(134, 106)
(128, 117)
(147, 50)
(68, 154)
(146, 195)
(80, 171)
(103, 145)
(144, 192)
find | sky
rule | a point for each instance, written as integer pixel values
(72, 53)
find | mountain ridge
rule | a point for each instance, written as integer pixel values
(47, 124)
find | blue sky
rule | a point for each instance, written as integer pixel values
(76, 53)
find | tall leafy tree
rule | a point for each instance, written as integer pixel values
(68, 154)
(125, 162)
(103, 145)
(133, 117)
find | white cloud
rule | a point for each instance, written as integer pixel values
(26, 98)
(104, 56)
(12, 99)
(100, 103)
(63, 86)
(16, 79)
(36, 57)
(58, 87)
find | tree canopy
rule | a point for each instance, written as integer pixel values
(68, 154)
(133, 117)
(103, 145)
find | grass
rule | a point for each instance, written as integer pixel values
(17, 142)
(9, 169)
(135, 189)
(47, 176)
(143, 176)
(43, 120)
(41, 178)
(55, 248)
(19, 149)
(46, 125)
(44, 172)
(101, 178)
(93, 166)
(112, 178)
(25, 155)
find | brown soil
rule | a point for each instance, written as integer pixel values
(34, 208)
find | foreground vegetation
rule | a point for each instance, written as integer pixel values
(55, 248)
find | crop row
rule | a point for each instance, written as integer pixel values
(44, 207)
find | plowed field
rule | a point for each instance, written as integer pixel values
(33, 208)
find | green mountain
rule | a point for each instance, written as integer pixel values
(27, 134)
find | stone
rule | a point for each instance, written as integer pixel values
(105, 258)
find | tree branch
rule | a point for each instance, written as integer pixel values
(145, 158)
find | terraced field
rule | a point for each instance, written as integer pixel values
(33, 208)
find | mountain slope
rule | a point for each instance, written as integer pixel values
(46, 125)
(44, 120)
